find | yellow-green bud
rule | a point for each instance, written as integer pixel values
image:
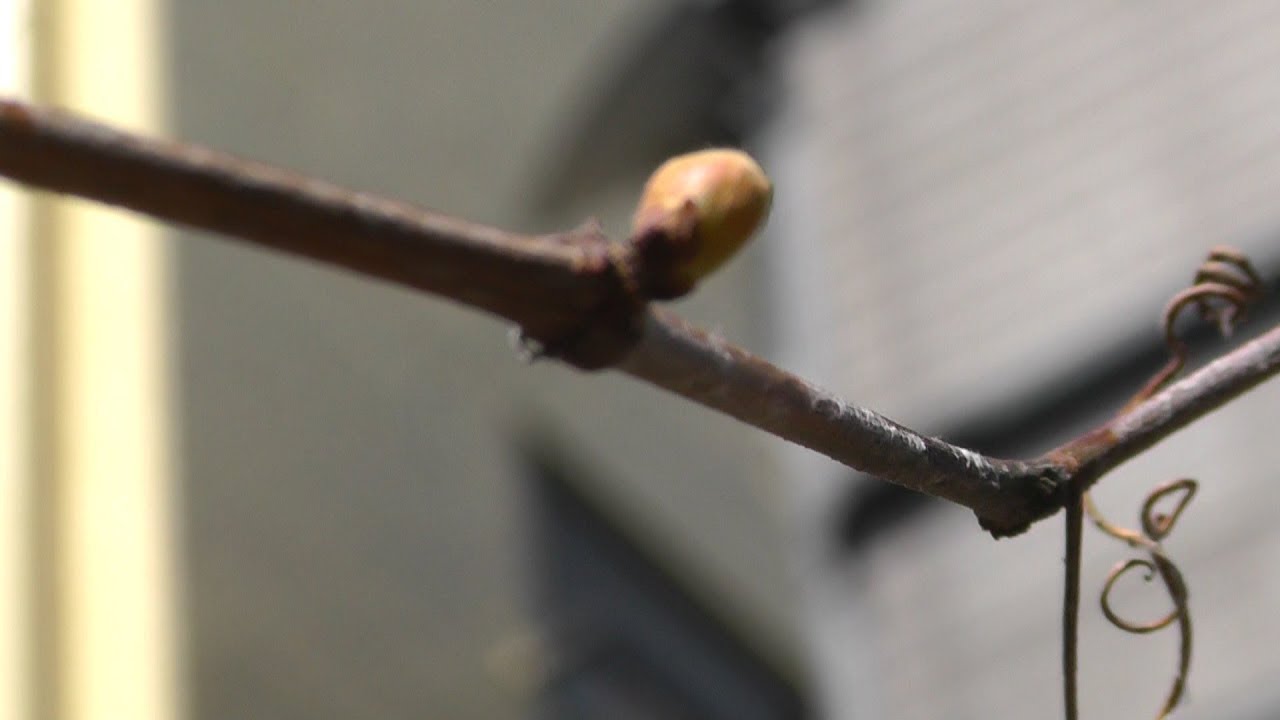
(703, 206)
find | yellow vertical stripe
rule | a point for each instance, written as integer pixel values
(15, 405)
(107, 541)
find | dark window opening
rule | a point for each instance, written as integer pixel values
(629, 639)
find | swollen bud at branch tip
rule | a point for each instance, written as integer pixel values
(696, 211)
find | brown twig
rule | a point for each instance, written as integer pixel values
(565, 291)
(548, 284)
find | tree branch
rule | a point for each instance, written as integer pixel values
(1132, 431)
(569, 294)
(1007, 495)
(546, 284)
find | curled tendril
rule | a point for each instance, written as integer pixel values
(1230, 267)
(1114, 618)
(1223, 288)
(1156, 526)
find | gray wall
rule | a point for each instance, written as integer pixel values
(355, 530)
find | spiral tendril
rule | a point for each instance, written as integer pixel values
(1223, 288)
(1155, 527)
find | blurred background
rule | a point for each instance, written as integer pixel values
(234, 484)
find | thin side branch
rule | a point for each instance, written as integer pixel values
(1131, 432)
(567, 293)
(1071, 607)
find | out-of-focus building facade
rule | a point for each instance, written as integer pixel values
(982, 211)
(292, 492)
